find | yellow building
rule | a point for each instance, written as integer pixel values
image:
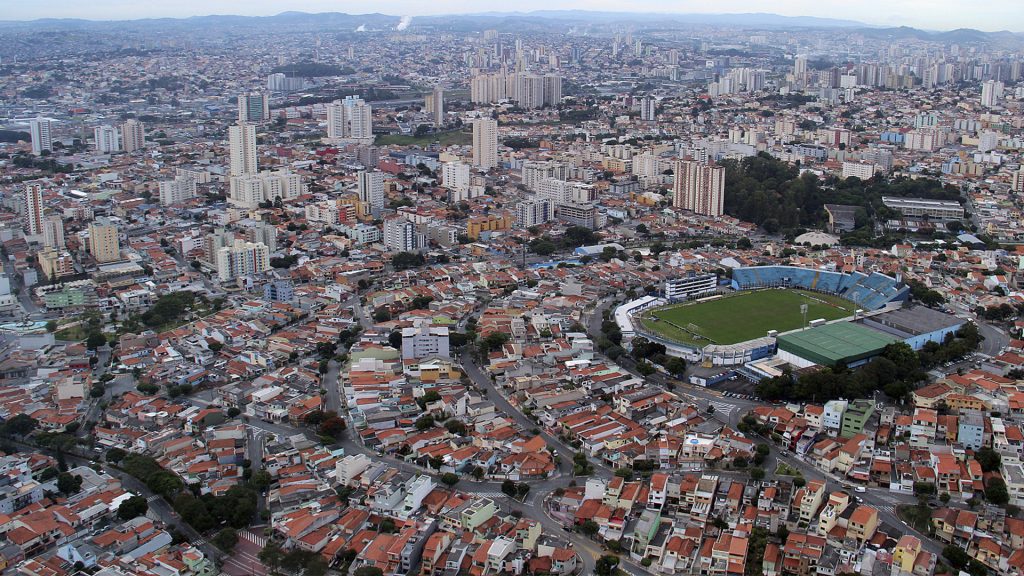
(104, 244)
(490, 223)
(56, 264)
(863, 524)
(905, 554)
(960, 402)
(617, 165)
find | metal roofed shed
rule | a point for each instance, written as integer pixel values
(833, 343)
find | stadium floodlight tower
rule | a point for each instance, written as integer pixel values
(803, 310)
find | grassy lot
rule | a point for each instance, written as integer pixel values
(456, 137)
(742, 317)
(786, 470)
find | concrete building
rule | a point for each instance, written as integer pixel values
(400, 235)
(691, 286)
(177, 191)
(918, 207)
(371, 190)
(699, 188)
(104, 243)
(240, 259)
(53, 232)
(242, 148)
(33, 210)
(424, 340)
(533, 212)
(106, 139)
(434, 103)
(455, 177)
(253, 108)
(350, 120)
(42, 138)
(133, 135)
(485, 143)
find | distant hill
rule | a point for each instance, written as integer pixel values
(509, 21)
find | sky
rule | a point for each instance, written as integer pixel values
(986, 15)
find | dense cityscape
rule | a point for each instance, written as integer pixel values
(551, 293)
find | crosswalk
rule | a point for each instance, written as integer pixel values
(260, 541)
(722, 408)
(153, 498)
(886, 508)
(492, 494)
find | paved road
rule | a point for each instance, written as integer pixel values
(996, 339)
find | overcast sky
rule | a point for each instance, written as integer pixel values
(932, 14)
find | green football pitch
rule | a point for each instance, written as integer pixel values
(743, 316)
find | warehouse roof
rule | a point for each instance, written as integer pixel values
(832, 343)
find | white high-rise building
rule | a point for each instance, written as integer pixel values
(253, 108)
(106, 139)
(242, 144)
(991, 92)
(371, 190)
(177, 191)
(34, 210)
(699, 188)
(133, 136)
(424, 340)
(350, 119)
(242, 258)
(399, 235)
(533, 212)
(41, 136)
(455, 177)
(648, 107)
(250, 190)
(53, 232)
(485, 143)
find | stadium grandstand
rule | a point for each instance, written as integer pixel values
(868, 291)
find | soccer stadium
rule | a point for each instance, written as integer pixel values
(768, 301)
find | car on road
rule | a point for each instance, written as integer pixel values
(860, 489)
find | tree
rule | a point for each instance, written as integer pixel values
(522, 489)
(395, 339)
(132, 508)
(607, 565)
(624, 473)
(261, 480)
(271, 555)
(425, 422)
(995, 491)
(18, 425)
(369, 571)
(68, 483)
(115, 455)
(589, 528)
(757, 473)
(225, 539)
(95, 340)
(989, 459)
(333, 426)
(381, 315)
(508, 487)
(455, 427)
(449, 479)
